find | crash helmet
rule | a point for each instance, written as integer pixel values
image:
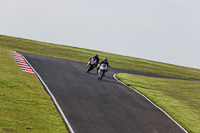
(105, 59)
(96, 55)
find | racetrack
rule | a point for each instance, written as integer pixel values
(94, 106)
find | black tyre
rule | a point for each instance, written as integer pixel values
(88, 68)
(101, 75)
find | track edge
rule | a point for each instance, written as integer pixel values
(51, 95)
(114, 76)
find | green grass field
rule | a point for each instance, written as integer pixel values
(26, 107)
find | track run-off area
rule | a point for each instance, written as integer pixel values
(99, 106)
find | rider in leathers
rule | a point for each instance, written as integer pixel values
(96, 58)
(105, 61)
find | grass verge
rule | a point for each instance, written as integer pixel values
(25, 106)
(79, 54)
(179, 98)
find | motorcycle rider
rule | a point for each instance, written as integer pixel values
(105, 61)
(96, 58)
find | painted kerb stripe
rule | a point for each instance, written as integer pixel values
(152, 103)
(21, 62)
(52, 96)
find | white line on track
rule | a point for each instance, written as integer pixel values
(52, 96)
(151, 103)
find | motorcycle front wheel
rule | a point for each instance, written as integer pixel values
(88, 68)
(100, 75)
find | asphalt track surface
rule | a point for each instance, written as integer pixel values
(99, 106)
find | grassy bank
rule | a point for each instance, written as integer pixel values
(179, 98)
(115, 60)
(24, 104)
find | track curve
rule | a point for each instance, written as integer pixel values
(94, 106)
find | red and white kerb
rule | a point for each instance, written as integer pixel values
(22, 63)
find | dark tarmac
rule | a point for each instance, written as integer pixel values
(99, 106)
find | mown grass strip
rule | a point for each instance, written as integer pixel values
(179, 98)
(25, 106)
(79, 54)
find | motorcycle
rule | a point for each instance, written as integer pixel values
(91, 64)
(102, 69)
